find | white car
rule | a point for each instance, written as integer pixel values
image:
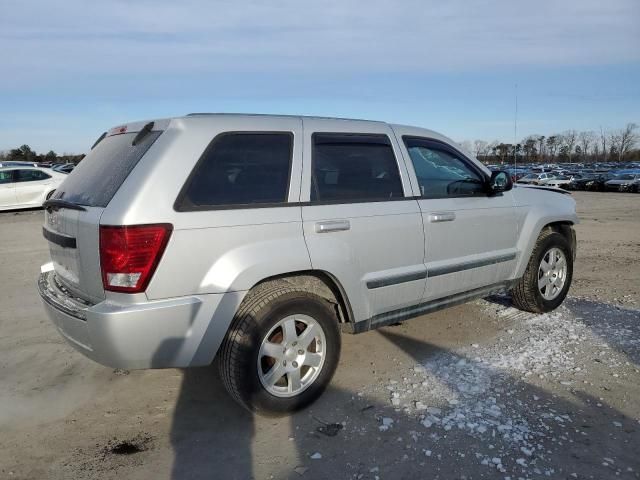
(557, 182)
(25, 187)
(536, 178)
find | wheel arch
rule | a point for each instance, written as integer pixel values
(319, 282)
(564, 228)
(531, 231)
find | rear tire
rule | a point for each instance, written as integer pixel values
(265, 361)
(547, 279)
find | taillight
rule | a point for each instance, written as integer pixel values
(130, 254)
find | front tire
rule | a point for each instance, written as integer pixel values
(281, 350)
(547, 279)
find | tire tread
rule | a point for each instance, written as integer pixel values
(232, 351)
(524, 294)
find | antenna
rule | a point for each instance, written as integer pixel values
(515, 134)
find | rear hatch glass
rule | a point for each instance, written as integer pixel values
(100, 174)
(92, 184)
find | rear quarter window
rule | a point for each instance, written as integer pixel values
(6, 176)
(240, 169)
(97, 178)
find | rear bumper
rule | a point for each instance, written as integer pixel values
(178, 332)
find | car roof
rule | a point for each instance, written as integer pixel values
(163, 122)
(274, 115)
(21, 167)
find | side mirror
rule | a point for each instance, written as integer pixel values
(500, 182)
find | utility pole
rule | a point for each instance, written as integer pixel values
(515, 134)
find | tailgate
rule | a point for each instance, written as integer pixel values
(73, 232)
(74, 246)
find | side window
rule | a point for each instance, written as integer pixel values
(440, 172)
(30, 175)
(353, 167)
(6, 176)
(240, 169)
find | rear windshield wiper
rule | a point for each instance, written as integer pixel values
(56, 203)
(142, 133)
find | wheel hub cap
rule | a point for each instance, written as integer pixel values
(552, 273)
(291, 355)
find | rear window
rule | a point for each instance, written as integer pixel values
(240, 169)
(100, 174)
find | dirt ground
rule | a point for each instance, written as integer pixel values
(477, 391)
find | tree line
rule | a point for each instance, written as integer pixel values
(26, 154)
(569, 146)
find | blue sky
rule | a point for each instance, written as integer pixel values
(72, 69)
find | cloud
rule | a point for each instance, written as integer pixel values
(46, 41)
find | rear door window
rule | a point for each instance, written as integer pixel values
(30, 175)
(240, 169)
(354, 167)
(97, 178)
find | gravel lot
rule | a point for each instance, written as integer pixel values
(477, 391)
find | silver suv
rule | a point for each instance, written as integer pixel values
(256, 239)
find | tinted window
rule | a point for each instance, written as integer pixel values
(100, 174)
(6, 176)
(30, 175)
(441, 173)
(354, 167)
(241, 169)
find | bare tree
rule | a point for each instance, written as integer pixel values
(615, 140)
(585, 139)
(541, 147)
(529, 147)
(552, 146)
(628, 138)
(568, 140)
(492, 148)
(603, 144)
(480, 148)
(596, 151)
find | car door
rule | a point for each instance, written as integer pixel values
(30, 185)
(360, 221)
(470, 237)
(7, 189)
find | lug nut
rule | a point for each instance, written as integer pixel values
(284, 362)
(295, 364)
(300, 352)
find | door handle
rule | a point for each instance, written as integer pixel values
(437, 217)
(332, 226)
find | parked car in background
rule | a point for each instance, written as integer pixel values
(623, 182)
(557, 182)
(63, 167)
(536, 178)
(579, 182)
(598, 183)
(283, 231)
(25, 187)
(516, 173)
(17, 163)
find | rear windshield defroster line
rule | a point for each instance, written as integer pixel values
(97, 178)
